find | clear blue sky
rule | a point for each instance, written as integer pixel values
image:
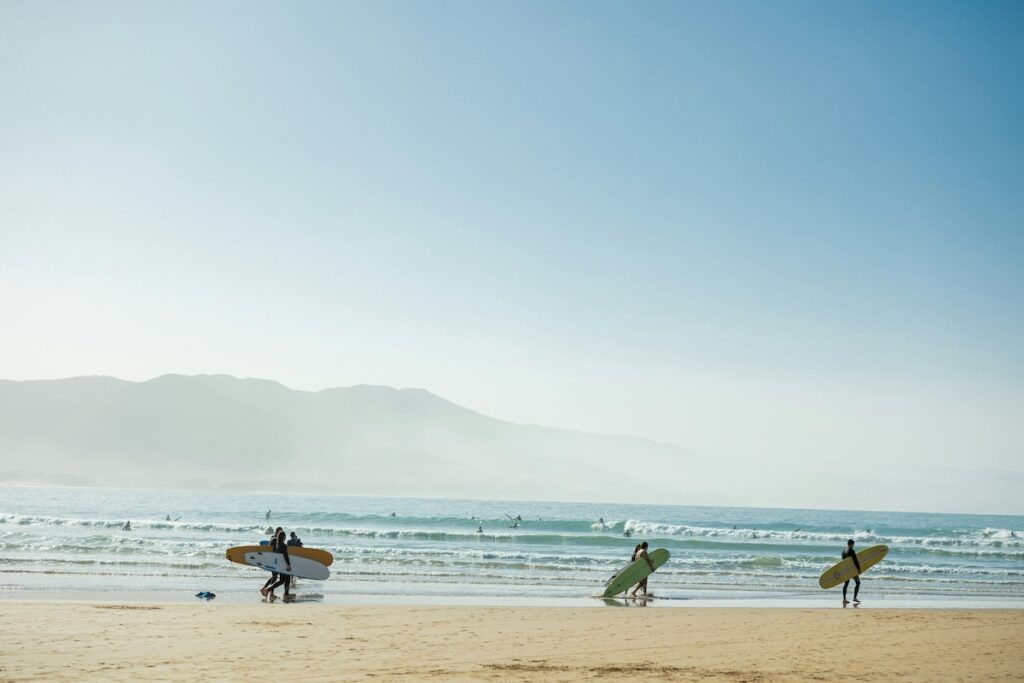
(787, 230)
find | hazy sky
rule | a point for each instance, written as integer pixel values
(788, 232)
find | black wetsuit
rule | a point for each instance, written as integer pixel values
(283, 579)
(273, 575)
(850, 552)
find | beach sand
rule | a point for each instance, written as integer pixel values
(46, 641)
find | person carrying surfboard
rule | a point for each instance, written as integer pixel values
(273, 548)
(641, 552)
(281, 546)
(850, 552)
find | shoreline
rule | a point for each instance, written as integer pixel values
(312, 597)
(86, 641)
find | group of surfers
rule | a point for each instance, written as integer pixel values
(279, 543)
(640, 553)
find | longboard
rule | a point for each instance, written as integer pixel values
(303, 567)
(634, 573)
(237, 554)
(846, 570)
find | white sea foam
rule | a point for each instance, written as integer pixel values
(998, 538)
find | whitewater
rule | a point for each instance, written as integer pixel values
(64, 542)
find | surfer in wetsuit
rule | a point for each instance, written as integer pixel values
(641, 552)
(295, 540)
(282, 579)
(850, 552)
(273, 548)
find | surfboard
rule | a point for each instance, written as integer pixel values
(846, 570)
(634, 573)
(237, 554)
(303, 567)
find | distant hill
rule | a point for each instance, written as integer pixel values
(220, 432)
(216, 431)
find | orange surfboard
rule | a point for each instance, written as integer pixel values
(237, 554)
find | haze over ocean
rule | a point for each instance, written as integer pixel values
(784, 235)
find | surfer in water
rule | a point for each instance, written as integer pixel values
(850, 552)
(641, 552)
(295, 540)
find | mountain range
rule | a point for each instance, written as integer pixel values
(222, 432)
(217, 431)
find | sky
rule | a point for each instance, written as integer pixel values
(783, 233)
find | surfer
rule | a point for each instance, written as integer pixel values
(267, 516)
(127, 526)
(850, 552)
(641, 552)
(295, 540)
(273, 548)
(281, 546)
(480, 528)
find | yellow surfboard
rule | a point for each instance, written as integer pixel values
(237, 554)
(846, 570)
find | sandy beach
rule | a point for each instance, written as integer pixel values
(149, 642)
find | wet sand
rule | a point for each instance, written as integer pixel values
(48, 641)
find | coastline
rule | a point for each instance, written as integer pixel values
(85, 641)
(309, 595)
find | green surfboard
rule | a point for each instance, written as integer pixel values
(634, 573)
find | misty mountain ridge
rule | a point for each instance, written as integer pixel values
(218, 431)
(221, 432)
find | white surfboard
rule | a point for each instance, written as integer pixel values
(303, 567)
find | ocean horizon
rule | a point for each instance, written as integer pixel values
(61, 542)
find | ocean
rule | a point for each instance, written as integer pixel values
(71, 543)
